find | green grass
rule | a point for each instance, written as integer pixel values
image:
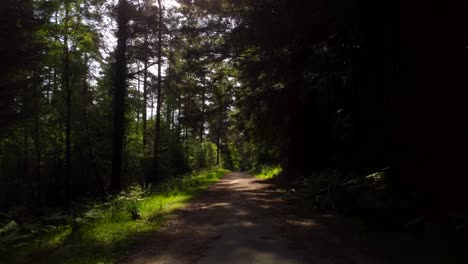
(268, 172)
(104, 231)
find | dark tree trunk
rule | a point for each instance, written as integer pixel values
(119, 96)
(168, 113)
(145, 91)
(25, 155)
(179, 101)
(66, 84)
(173, 109)
(36, 141)
(186, 109)
(55, 89)
(202, 125)
(218, 146)
(138, 90)
(152, 104)
(157, 134)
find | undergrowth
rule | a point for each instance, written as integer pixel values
(103, 231)
(268, 172)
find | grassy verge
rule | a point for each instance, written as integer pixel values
(103, 231)
(268, 172)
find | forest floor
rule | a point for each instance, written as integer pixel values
(242, 219)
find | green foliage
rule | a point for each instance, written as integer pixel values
(268, 172)
(201, 154)
(103, 230)
(206, 155)
(234, 156)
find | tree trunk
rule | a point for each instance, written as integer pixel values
(145, 89)
(152, 104)
(168, 112)
(119, 95)
(55, 89)
(36, 141)
(186, 107)
(202, 125)
(157, 136)
(138, 90)
(218, 145)
(179, 101)
(25, 155)
(173, 110)
(66, 84)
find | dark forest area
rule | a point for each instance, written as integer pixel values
(361, 104)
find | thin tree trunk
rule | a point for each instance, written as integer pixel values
(25, 155)
(186, 107)
(173, 110)
(66, 84)
(36, 141)
(202, 125)
(157, 136)
(218, 145)
(145, 89)
(168, 112)
(152, 105)
(55, 90)
(119, 96)
(179, 99)
(138, 90)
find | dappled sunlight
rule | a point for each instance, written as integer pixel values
(302, 222)
(119, 119)
(105, 228)
(238, 218)
(222, 205)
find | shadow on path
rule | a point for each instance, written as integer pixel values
(243, 220)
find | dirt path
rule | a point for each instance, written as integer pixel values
(243, 220)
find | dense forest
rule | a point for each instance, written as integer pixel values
(97, 96)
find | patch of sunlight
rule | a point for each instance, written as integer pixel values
(269, 172)
(305, 223)
(103, 232)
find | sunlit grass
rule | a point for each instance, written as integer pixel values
(58, 237)
(103, 233)
(268, 172)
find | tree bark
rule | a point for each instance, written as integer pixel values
(202, 125)
(145, 90)
(186, 109)
(55, 89)
(138, 90)
(66, 84)
(218, 146)
(157, 136)
(119, 96)
(179, 101)
(25, 154)
(167, 126)
(36, 141)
